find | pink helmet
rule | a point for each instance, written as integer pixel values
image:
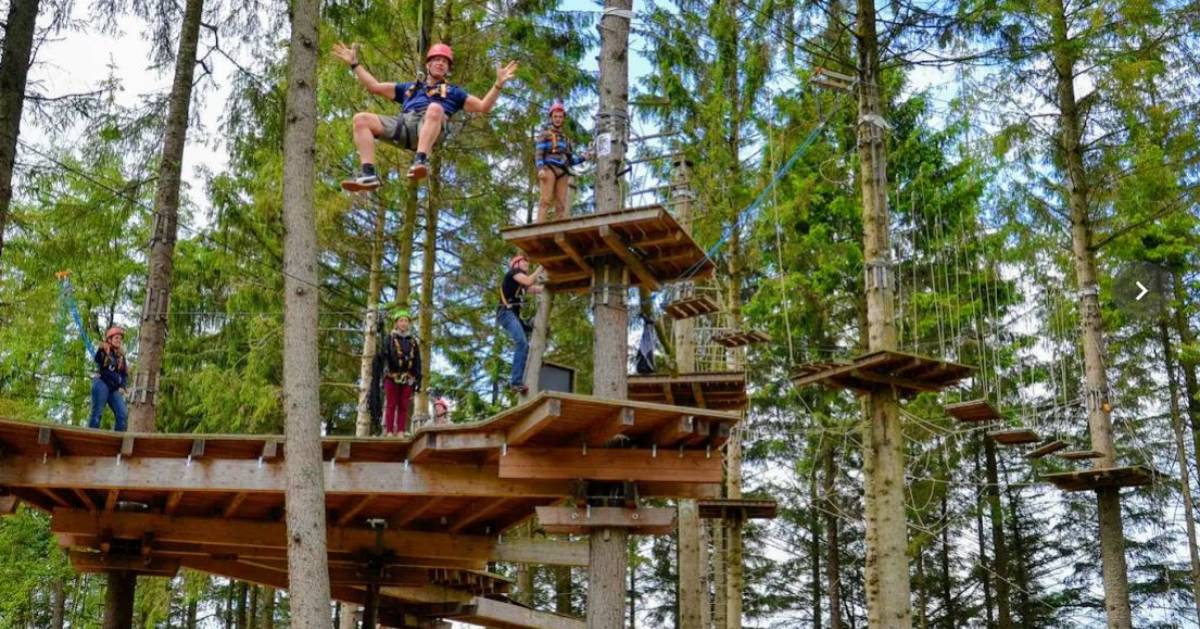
(440, 50)
(516, 260)
(557, 105)
(442, 402)
(114, 331)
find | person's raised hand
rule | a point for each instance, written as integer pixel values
(505, 72)
(348, 54)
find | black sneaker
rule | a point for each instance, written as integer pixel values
(419, 169)
(519, 389)
(362, 183)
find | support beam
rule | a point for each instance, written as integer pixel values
(412, 515)
(8, 505)
(477, 513)
(564, 243)
(86, 499)
(136, 564)
(573, 521)
(550, 552)
(231, 508)
(255, 534)
(173, 500)
(689, 466)
(675, 430)
(491, 613)
(351, 513)
(631, 261)
(535, 422)
(600, 434)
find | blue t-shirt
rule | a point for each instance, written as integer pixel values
(453, 101)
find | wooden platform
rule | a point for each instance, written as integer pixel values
(1014, 436)
(907, 373)
(1080, 455)
(715, 390)
(215, 503)
(1103, 478)
(689, 307)
(973, 411)
(740, 338)
(648, 240)
(744, 509)
(1049, 447)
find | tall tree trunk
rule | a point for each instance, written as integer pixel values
(1112, 537)
(720, 564)
(922, 592)
(815, 546)
(241, 605)
(118, 599)
(707, 558)
(362, 420)
(192, 607)
(733, 532)
(886, 575)
(947, 578)
(1021, 581)
(833, 560)
(537, 343)
(404, 244)
(984, 578)
(15, 55)
(689, 593)
(268, 608)
(1187, 338)
(1181, 454)
(999, 550)
(563, 590)
(253, 611)
(58, 603)
(609, 559)
(428, 279)
(152, 328)
(308, 572)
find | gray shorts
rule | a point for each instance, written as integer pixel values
(402, 130)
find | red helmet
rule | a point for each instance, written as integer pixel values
(513, 261)
(114, 331)
(440, 50)
(442, 402)
(557, 106)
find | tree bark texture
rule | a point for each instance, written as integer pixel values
(58, 604)
(563, 590)
(607, 565)
(1187, 338)
(814, 537)
(308, 572)
(15, 54)
(152, 327)
(886, 578)
(951, 609)
(362, 420)
(1181, 454)
(268, 608)
(984, 578)
(118, 599)
(404, 243)
(537, 343)
(1112, 536)
(720, 565)
(999, 549)
(833, 561)
(734, 551)
(428, 278)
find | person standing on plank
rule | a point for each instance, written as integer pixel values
(517, 281)
(108, 385)
(402, 377)
(425, 107)
(555, 157)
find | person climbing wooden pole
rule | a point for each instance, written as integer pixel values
(555, 155)
(426, 105)
(516, 283)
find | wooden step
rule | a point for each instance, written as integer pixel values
(742, 509)
(739, 338)
(1049, 447)
(909, 374)
(973, 411)
(1103, 478)
(1014, 436)
(689, 307)
(1080, 455)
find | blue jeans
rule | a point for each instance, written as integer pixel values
(512, 324)
(101, 395)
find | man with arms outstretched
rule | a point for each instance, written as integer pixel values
(425, 106)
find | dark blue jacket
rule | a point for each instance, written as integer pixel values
(112, 368)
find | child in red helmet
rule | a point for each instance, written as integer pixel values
(425, 106)
(108, 385)
(555, 156)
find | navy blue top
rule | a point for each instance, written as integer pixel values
(416, 96)
(112, 369)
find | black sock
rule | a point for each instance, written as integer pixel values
(420, 157)
(368, 169)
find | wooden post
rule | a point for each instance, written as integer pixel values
(608, 558)
(118, 599)
(690, 594)
(887, 584)
(308, 572)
